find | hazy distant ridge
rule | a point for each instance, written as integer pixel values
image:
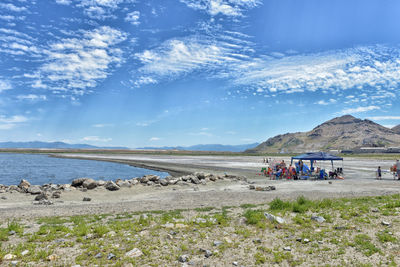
(208, 147)
(52, 145)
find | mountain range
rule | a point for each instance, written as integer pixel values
(341, 133)
(208, 147)
(52, 145)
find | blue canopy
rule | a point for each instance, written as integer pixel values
(317, 156)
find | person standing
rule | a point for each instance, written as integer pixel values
(398, 169)
(379, 173)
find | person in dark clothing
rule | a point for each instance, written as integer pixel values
(379, 173)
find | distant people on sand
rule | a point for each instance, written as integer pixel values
(379, 173)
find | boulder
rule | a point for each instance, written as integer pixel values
(56, 194)
(212, 177)
(200, 175)
(172, 181)
(34, 190)
(24, 184)
(153, 178)
(150, 183)
(134, 181)
(89, 183)
(144, 179)
(123, 183)
(78, 182)
(14, 188)
(110, 185)
(163, 182)
(101, 183)
(195, 180)
(41, 196)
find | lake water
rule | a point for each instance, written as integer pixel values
(41, 169)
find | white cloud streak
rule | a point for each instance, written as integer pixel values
(230, 8)
(383, 118)
(359, 109)
(133, 18)
(5, 85)
(96, 139)
(8, 123)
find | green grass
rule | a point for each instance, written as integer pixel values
(363, 242)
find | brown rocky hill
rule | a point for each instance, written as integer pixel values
(346, 132)
(396, 129)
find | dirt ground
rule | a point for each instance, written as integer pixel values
(359, 181)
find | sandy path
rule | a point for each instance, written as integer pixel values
(359, 182)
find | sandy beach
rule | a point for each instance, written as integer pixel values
(359, 181)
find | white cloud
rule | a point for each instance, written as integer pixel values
(324, 103)
(5, 85)
(32, 97)
(77, 64)
(12, 7)
(102, 125)
(96, 139)
(63, 2)
(383, 118)
(359, 109)
(133, 17)
(231, 8)
(7, 123)
(153, 139)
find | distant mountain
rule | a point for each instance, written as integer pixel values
(208, 147)
(396, 129)
(346, 132)
(52, 145)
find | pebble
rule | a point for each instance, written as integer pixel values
(287, 249)
(319, 219)
(87, 199)
(385, 223)
(12, 232)
(306, 240)
(52, 257)
(98, 256)
(183, 258)
(235, 263)
(14, 263)
(23, 253)
(217, 243)
(208, 253)
(111, 256)
(134, 253)
(375, 210)
(9, 257)
(274, 218)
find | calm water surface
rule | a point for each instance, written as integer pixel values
(41, 169)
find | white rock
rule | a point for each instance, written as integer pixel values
(134, 253)
(23, 253)
(274, 218)
(9, 257)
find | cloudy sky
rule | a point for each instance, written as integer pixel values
(183, 72)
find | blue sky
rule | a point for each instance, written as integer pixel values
(183, 72)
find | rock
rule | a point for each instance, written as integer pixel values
(257, 241)
(14, 188)
(385, 223)
(217, 243)
(41, 196)
(183, 258)
(195, 180)
(299, 239)
(111, 256)
(173, 181)
(375, 210)
(56, 194)
(52, 257)
(43, 202)
(150, 183)
(207, 253)
(89, 184)
(200, 175)
(200, 220)
(123, 183)
(153, 178)
(24, 184)
(78, 182)
(134, 181)
(168, 225)
(163, 182)
(287, 249)
(34, 190)
(98, 256)
(319, 219)
(235, 263)
(25, 252)
(274, 218)
(212, 177)
(9, 257)
(305, 240)
(134, 253)
(14, 263)
(252, 187)
(203, 182)
(12, 232)
(111, 186)
(3, 197)
(87, 199)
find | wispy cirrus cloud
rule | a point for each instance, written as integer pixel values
(10, 122)
(133, 17)
(75, 64)
(231, 8)
(32, 97)
(383, 118)
(5, 85)
(359, 109)
(95, 139)
(12, 7)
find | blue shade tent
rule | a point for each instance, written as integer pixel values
(317, 156)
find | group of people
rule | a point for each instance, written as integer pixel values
(394, 169)
(279, 170)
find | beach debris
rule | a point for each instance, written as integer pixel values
(183, 258)
(87, 199)
(274, 218)
(134, 253)
(9, 257)
(111, 186)
(319, 219)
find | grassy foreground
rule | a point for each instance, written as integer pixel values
(357, 232)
